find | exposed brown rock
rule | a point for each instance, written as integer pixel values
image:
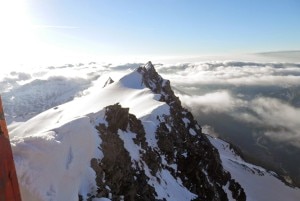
(180, 142)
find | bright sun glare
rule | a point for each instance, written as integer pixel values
(22, 41)
(17, 33)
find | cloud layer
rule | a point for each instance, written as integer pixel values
(234, 73)
(256, 106)
(267, 95)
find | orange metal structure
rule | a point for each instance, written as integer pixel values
(9, 187)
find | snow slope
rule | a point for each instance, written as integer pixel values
(258, 183)
(53, 150)
(52, 164)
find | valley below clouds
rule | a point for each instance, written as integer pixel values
(255, 106)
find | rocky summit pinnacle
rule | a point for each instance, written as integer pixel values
(157, 84)
(108, 82)
(149, 65)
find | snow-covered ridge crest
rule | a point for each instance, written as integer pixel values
(259, 184)
(130, 138)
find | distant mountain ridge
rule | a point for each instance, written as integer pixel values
(288, 55)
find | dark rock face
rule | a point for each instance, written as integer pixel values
(108, 82)
(199, 164)
(236, 190)
(158, 85)
(115, 172)
(180, 141)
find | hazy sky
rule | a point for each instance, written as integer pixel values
(66, 29)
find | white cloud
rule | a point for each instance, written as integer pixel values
(234, 73)
(276, 113)
(55, 26)
(208, 129)
(281, 116)
(220, 101)
(279, 119)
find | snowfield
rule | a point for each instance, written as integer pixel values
(54, 164)
(53, 150)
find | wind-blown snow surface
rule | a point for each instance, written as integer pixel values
(53, 164)
(259, 184)
(53, 150)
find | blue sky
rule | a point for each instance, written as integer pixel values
(152, 27)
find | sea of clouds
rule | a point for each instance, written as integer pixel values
(254, 105)
(264, 94)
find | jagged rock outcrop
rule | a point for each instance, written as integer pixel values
(115, 172)
(201, 161)
(108, 82)
(182, 150)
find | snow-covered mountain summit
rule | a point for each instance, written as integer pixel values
(131, 138)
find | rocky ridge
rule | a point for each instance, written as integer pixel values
(182, 152)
